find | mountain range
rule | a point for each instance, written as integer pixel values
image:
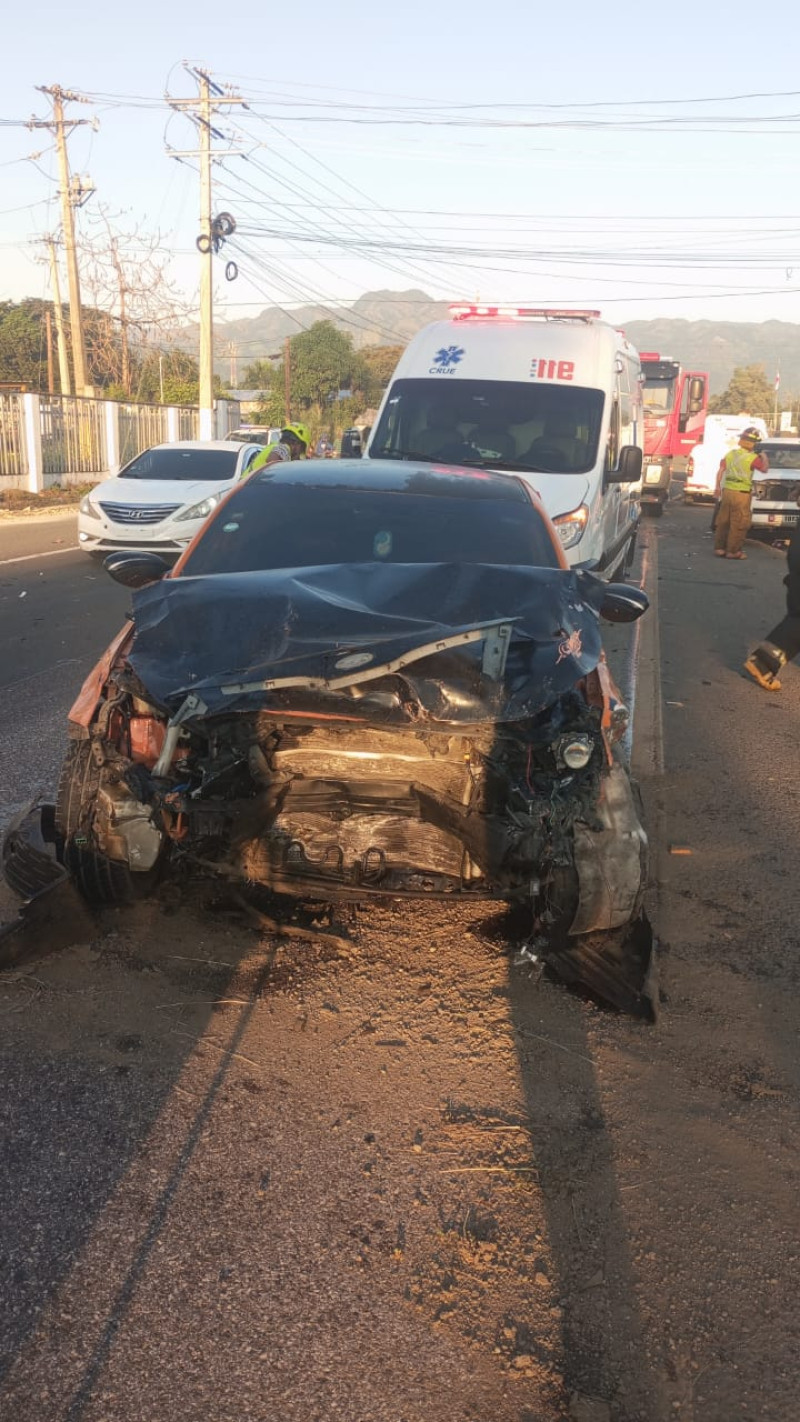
(385, 318)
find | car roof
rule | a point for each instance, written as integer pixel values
(783, 443)
(395, 476)
(232, 444)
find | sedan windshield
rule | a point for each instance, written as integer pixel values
(268, 526)
(491, 424)
(185, 464)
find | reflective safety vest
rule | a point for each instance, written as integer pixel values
(270, 454)
(739, 470)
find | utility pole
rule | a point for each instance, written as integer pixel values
(287, 379)
(63, 359)
(71, 197)
(233, 354)
(48, 330)
(123, 316)
(201, 109)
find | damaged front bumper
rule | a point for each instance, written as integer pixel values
(52, 914)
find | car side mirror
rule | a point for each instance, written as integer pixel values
(623, 602)
(135, 570)
(629, 467)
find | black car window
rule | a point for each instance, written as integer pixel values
(269, 525)
(178, 463)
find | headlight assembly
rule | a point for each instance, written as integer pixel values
(570, 526)
(87, 508)
(201, 510)
(573, 752)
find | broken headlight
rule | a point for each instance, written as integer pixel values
(573, 752)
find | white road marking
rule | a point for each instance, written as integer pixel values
(45, 671)
(643, 675)
(30, 557)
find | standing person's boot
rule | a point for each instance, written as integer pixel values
(764, 664)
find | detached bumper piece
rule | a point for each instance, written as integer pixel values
(618, 968)
(52, 914)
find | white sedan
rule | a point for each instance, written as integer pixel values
(162, 497)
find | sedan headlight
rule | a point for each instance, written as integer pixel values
(87, 508)
(201, 510)
(573, 752)
(570, 526)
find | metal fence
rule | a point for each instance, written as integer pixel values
(139, 427)
(13, 461)
(69, 439)
(73, 435)
(188, 423)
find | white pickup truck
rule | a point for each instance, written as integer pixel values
(721, 434)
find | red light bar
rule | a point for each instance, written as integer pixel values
(649, 355)
(520, 313)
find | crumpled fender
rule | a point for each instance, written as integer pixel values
(611, 862)
(86, 702)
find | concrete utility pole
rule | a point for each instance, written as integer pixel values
(287, 379)
(233, 353)
(48, 329)
(201, 109)
(70, 199)
(63, 359)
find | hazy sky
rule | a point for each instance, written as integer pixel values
(538, 168)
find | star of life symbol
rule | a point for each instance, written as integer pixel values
(572, 646)
(448, 356)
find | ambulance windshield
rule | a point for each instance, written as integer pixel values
(491, 424)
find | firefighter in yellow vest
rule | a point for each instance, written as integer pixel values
(293, 444)
(734, 491)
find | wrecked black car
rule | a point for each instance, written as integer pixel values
(364, 679)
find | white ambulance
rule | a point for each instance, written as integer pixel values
(551, 395)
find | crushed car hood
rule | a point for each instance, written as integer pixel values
(345, 632)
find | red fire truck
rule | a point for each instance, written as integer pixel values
(675, 407)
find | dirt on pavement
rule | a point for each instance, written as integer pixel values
(375, 1172)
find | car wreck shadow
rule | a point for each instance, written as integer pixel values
(604, 1358)
(85, 1087)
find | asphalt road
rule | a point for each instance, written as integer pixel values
(58, 611)
(387, 1176)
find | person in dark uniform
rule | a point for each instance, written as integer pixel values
(783, 642)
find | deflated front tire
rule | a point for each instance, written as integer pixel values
(100, 879)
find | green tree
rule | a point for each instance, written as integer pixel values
(379, 364)
(749, 392)
(173, 368)
(259, 375)
(23, 343)
(323, 362)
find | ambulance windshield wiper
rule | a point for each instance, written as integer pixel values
(406, 454)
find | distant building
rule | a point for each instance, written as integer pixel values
(249, 402)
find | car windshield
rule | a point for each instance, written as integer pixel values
(659, 396)
(491, 424)
(267, 525)
(782, 458)
(181, 463)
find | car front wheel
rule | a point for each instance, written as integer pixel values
(101, 880)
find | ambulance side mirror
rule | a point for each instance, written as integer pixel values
(629, 468)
